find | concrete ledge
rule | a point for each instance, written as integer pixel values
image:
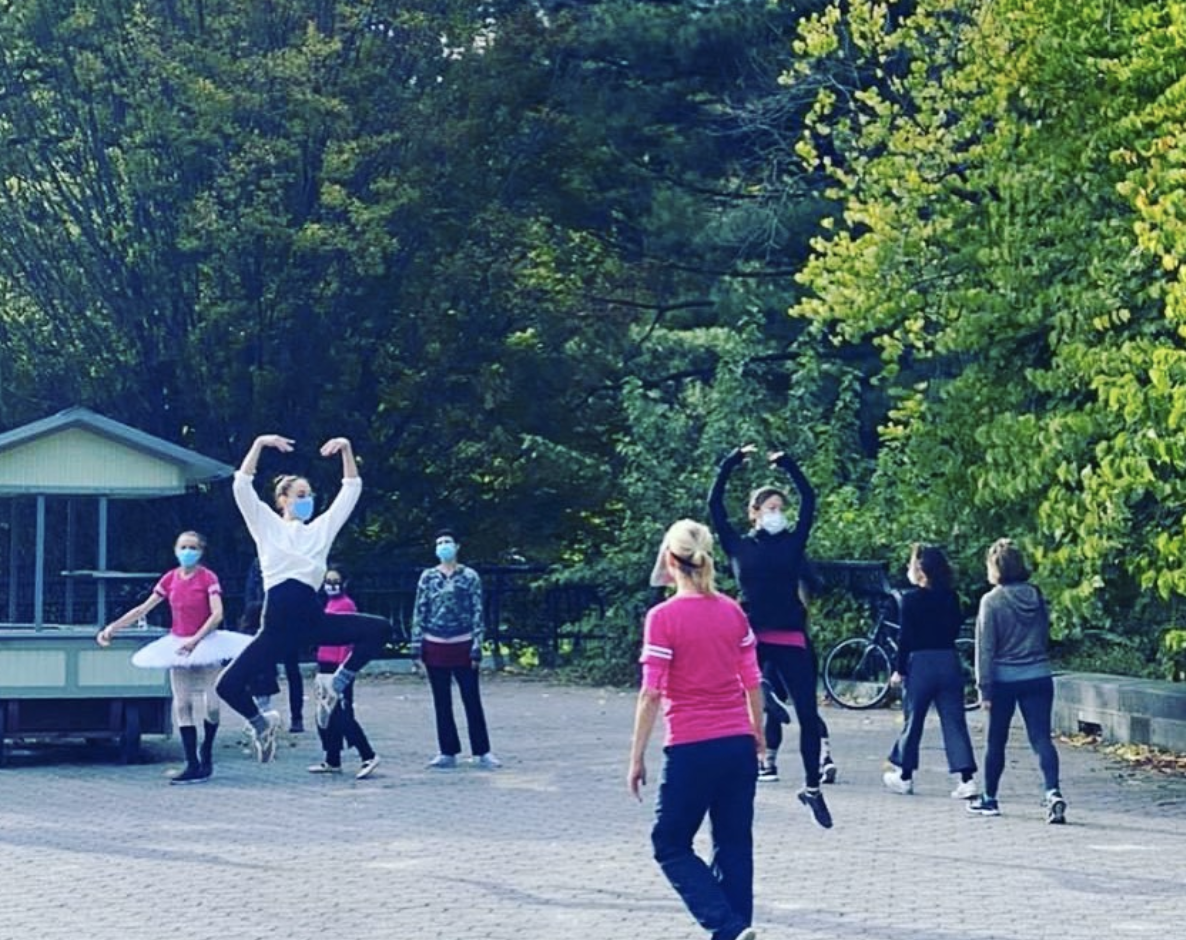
(1122, 709)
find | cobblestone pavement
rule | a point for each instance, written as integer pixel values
(551, 846)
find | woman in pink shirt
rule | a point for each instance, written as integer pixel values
(194, 651)
(700, 666)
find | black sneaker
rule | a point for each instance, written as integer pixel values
(984, 806)
(191, 774)
(768, 772)
(814, 801)
(296, 726)
(827, 770)
(1056, 808)
(776, 708)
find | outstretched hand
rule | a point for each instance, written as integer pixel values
(746, 449)
(335, 445)
(276, 442)
(776, 455)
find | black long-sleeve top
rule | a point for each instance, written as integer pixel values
(767, 567)
(931, 620)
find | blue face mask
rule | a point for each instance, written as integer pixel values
(302, 508)
(188, 557)
(446, 551)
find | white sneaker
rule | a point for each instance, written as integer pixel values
(265, 741)
(487, 761)
(893, 781)
(443, 762)
(326, 698)
(367, 768)
(966, 790)
(323, 768)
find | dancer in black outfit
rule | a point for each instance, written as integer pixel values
(769, 563)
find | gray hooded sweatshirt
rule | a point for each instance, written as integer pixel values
(1012, 635)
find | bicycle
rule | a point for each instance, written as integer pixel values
(857, 670)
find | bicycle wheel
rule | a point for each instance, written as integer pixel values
(966, 648)
(856, 673)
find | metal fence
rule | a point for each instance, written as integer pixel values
(527, 616)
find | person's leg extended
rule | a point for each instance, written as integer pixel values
(1000, 717)
(690, 778)
(366, 633)
(731, 813)
(1035, 700)
(296, 689)
(796, 668)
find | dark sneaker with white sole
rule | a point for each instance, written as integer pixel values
(827, 770)
(814, 801)
(768, 772)
(984, 806)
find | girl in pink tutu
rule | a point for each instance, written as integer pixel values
(193, 651)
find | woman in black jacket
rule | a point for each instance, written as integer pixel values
(929, 666)
(769, 563)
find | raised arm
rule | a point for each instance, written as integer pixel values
(786, 463)
(716, 498)
(341, 445)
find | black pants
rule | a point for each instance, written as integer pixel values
(1035, 700)
(713, 778)
(934, 677)
(292, 619)
(791, 671)
(296, 684)
(440, 679)
(343, 727)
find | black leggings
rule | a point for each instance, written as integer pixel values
(1035, 700)
(292, 619)
(791, 671)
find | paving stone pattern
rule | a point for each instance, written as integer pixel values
(552, 846)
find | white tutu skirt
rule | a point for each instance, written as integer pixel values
(216, 648)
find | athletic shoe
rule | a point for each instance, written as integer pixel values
(1056, 808)
(367, 768)
(966, 790)
(984, 806)
(893, 781)
(768, 772)
(443, 762)
(327, 699)
(296, 726)
(487, 761)
(324, 768)
(775, 707)
(206, 769)
(748, 934)
(814, 801)
(191, 774)
(264, 741)
(827, 770)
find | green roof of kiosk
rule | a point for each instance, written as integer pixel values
(80, 453)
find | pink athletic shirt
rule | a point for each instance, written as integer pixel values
(336, 655)
(189, 598)
(700, 654)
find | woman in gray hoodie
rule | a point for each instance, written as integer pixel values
(1013, 672)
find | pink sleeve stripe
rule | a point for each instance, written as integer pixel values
(749, 639)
